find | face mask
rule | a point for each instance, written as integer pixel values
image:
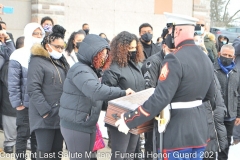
(132, 55)
(55, 54)
(36, 40)
(226, 61)
(104, 60)
(197, 43)
(202, 30)
(86, 31)
(169, 41)
(47, 28)
(224, 42)
(147, 37)
(78, 44)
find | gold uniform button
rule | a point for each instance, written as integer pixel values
(136, 112)
(125, 118)
(129, 115)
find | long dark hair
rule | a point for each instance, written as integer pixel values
(70, 44)
(119, 48)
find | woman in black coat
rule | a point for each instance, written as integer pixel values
(124, 72)
(46, 74)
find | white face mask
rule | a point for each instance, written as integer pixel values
(202, 30)
(197, 43)
(36, 40)
(54, 54)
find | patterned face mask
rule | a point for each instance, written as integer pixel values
(47, 28)
(104, 60)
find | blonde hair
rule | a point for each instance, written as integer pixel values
(211, 36)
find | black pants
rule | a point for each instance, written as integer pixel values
(50, 142)
(122, 143)
(229, 126)
(148, 144)
(79, 144)
(23, 134)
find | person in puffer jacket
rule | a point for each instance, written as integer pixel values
(83, 96)
(17, 87)
(216, 111)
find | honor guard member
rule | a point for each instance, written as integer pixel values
(151, 70)
(185, 81)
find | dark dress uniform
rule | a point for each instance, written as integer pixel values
(186, 76)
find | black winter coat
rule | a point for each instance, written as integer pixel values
(230, 90)
(216, 111)
(124, 77)
(6, 107)
(83, 94)
(154, 49)
(45, 87)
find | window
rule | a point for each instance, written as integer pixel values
(231, 30)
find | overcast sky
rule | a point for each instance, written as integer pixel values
(233, 6)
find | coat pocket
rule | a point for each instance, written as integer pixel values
(235, 100)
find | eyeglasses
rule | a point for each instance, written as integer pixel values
(58, 47)
(38, 33)
(202, 25)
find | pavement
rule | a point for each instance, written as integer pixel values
(104, 154)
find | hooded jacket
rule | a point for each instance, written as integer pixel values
(210, 46)
(44, 86)
(18, 69)
(236, 45)
(83, 93)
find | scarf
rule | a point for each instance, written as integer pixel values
(226, 69)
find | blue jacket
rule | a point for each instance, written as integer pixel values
(17, 78)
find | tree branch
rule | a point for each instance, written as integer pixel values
(230, 19)
(225, 10)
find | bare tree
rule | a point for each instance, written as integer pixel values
(219, 13)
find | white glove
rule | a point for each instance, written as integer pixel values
(122, 127)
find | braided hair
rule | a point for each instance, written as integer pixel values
(57, 32)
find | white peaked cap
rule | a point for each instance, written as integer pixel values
(178, 19)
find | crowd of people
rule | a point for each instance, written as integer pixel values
(53, 91)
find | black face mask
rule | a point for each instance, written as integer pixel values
(86, 31)
(169, 42)
(78, 45)
(132, 55)
(226, 61)
(147, 37)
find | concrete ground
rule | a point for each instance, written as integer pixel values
(104, 154)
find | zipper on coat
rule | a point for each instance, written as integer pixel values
(215, 97)
(216, 132)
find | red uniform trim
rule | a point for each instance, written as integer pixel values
(128, 120)
(143, 111)
(164, 72)
(165, 153)
(204, 145)
(182, 46)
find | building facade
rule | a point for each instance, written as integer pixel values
(105, 16)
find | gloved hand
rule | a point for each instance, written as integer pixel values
(122, 127)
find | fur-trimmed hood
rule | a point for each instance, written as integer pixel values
(38, 50)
